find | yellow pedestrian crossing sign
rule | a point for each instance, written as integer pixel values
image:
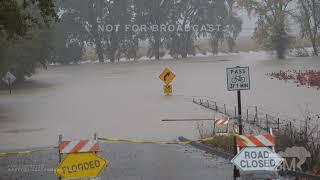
(77, 165)
(167, 76)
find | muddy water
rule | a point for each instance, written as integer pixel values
(126, 100)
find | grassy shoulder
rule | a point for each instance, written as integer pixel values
(226, 143)
(289, 140)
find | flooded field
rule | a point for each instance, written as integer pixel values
(126, 100)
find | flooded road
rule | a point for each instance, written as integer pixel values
(126, 100)
(128, 162)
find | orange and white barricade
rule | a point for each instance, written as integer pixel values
(263, 140)
(222, 122)
(78, 146)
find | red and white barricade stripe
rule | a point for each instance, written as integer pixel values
(78, 146)
(255, 141)
(223, 121)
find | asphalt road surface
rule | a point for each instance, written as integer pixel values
(128, 162)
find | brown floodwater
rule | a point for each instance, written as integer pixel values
(126, 100)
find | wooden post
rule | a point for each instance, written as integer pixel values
(60, 155)
(278, 123)
(227, 130)
(95, 138)
(271, 133)
(267, 122)
(235, 111)
(290, 129)
(214, 125)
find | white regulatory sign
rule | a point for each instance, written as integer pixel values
(257, 159)
(238, 78)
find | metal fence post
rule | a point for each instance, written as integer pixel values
(215, 103)
(290, 129)
(225, 109)
(214, 126)
(256, 115)
(95, 136)
(247, 115)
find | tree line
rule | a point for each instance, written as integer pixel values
(92, 16)
(273, 28)
(36, 32)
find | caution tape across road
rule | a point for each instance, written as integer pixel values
(136, 141)
(26, 151)
(154, 142)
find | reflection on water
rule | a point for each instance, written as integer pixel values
(126, 100)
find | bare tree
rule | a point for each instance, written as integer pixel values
(308, 18)
(234, 25)
(272, 28)
(95, 33)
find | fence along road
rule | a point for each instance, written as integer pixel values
(250, 115)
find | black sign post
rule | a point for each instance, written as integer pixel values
(9, 84)
(239, 112)
(238, 79)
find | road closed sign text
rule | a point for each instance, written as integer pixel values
(238, 78)
(257, 159)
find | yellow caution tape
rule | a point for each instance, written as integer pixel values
(110, 140)
(155, 142)
(137, 141)
(25, 151)
(206, 139)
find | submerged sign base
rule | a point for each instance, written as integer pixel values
(167, 89)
